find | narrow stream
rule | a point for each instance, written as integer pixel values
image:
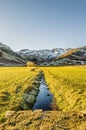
(44, 98)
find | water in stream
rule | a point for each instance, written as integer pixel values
(44, 98)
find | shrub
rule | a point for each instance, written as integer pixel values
(31, 64)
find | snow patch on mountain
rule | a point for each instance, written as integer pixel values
(43, 54)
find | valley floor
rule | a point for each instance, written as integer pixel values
(19, 87)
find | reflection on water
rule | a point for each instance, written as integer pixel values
(44, 98)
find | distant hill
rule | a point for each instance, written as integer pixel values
(45, 57)
(10, 58)
(73, 57)
(42, 56)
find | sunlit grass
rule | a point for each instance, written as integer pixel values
(68, 84)
(14, 82)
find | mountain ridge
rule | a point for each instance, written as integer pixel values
(10, 58)
(44, 57)
(40, 56)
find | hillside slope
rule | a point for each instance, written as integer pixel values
(45, 57)
(10, 58)
(73, 57)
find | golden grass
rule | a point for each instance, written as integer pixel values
(14, 82)
(49, 120)
(68, 84)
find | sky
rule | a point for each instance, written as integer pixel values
(43, 24)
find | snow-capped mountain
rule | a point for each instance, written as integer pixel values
(42, 55)
(45, 57)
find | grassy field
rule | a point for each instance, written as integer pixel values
(68, 85)
(14, 82)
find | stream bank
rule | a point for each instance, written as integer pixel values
(39, 97)
(44, 98)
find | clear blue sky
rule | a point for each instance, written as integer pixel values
(40, 24)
